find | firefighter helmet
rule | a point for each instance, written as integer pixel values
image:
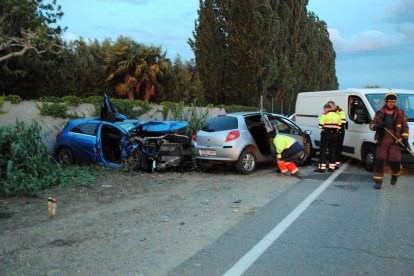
(390, 96)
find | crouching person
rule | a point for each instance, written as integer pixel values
(288, 150)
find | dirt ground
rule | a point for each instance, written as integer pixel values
(131, 223)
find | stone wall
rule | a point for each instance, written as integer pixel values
(27, 111)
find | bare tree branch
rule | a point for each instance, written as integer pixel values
(18, 46)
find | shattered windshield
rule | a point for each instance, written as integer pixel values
(128, 125)
(404, 102)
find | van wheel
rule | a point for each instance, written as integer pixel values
(246, 163)
(369, 157)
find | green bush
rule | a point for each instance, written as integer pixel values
(26, 167)
(14, 99)
(71, 100)
(53, 109)
(50, 100)
(1, 101)
(192, 115)
(167, 106)
(145, 107)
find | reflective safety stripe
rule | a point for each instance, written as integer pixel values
(378, 178)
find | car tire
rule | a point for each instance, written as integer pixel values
(369, 157)
(64, 156)
(307, 154)
(246, 163)
(137, 161)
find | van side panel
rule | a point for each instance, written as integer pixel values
(309, 108)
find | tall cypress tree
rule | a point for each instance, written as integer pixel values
(209, 46)
(251, 27)
(274, 48)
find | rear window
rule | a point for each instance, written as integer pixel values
(220, 123)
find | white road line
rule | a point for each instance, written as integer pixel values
(250, 257)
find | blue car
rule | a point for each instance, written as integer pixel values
(112, 140)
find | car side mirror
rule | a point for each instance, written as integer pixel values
(308, 132)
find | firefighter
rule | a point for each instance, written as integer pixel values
(389, 118)
(288, 150)
(330, 123)
(341, 134)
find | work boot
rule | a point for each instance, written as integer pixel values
(297, 174)
(393, 180)
(378, 185)
(284, 173)
(319, 170)
(331, 170)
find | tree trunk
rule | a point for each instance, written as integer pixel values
(149, 91)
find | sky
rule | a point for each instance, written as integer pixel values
(373, 39)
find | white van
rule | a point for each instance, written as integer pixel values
(360, 106)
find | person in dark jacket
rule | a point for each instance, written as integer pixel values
(389, 120)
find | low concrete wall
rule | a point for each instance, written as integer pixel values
(27, 111)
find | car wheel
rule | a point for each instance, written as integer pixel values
(246, 163)
(369, 157)
(137, 161)
(65, 156)
(307, 150)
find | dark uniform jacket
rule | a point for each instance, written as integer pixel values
(400, 123)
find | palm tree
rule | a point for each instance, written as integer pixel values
(134, 67)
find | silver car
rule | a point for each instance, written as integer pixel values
(244, 139)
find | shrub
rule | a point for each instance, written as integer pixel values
(71, 100)
(14, 99)
(26, 167)
(53, 109)
(192, 115)
(50, 99)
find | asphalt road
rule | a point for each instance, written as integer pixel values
(324, 225)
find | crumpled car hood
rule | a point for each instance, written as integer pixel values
(162, 126)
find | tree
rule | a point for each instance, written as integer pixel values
(183, 83)
(209, 47)
(26, 25)
(248, 48)
(251, 63)
(132, 67)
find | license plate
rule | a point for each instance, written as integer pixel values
(207, 152)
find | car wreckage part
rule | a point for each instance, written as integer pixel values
(162, 152)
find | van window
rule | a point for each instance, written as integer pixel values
(404, 102)
(357, 110)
